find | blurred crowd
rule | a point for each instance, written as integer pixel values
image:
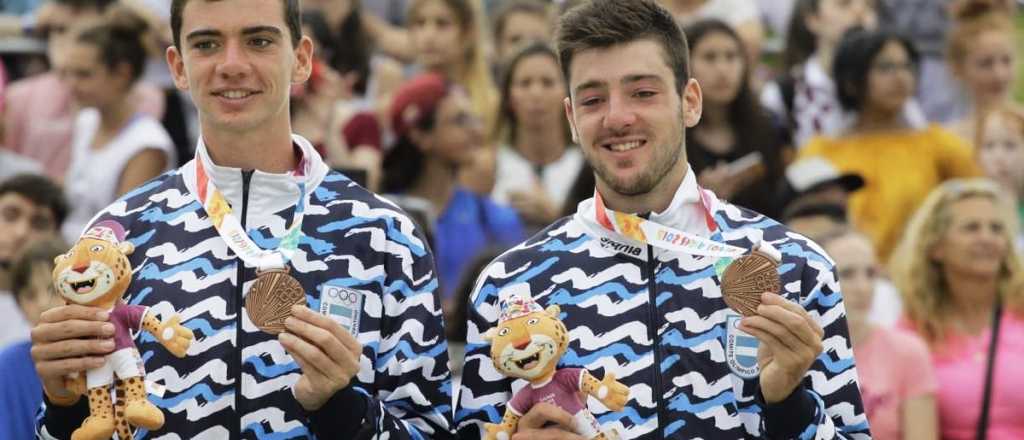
(889, 131)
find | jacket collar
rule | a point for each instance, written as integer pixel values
(268, 192)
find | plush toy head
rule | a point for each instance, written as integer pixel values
(95, 272)
(528, 340)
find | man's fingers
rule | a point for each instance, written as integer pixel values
(72, 348)
(322, 339)
(761, 325)
(545, 434)
(792, 323)
(74, 311)
(64, 367)
(315, 356)
(72, 329)
(775, 299)
(307, 366)
(308, 315)
(543, 413)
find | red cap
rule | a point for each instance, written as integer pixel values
(415, 99)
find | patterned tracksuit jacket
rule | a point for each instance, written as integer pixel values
(235, 382)
(657, 320)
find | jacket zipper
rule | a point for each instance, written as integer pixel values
(236, 428)
(652, 333)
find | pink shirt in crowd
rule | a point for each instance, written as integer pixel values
(562, 391)
(959, 364)
(41, 117)
(893, 367)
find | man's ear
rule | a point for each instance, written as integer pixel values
(693, 103)
(176, 64)
(303, 67)
(572, 123)
(126, 247)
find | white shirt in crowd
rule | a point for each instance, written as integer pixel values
(92, 179)
(514, 173)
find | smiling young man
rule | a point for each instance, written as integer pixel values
(650, 309)
(368, 354)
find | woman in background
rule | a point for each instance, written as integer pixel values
(734, 150)
(875, 74)
(537, 162)
(114, 148)
(960, 279)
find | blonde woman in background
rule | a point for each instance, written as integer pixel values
(959, 276)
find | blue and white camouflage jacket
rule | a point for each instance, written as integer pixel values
(235, 382)
(657, 320)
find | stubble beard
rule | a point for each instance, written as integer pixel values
(644, 183)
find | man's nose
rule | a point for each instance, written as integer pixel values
(620, 114)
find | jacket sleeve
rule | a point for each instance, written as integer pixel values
(409, 396)
(484, 391)
(828, 403)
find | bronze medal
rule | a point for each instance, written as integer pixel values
(270, 299)
(746, 279)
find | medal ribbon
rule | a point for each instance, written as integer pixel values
(231, 230)
(664, 237)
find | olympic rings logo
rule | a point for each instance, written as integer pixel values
(347, 296)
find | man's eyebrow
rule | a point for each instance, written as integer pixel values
(246, 31)
(592, 84)
(641, 77)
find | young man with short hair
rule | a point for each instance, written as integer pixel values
(366, 357)
(32, 207)
(647, 308)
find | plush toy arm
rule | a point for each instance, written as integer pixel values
(171, 334)
(504, 430)
(610, 392)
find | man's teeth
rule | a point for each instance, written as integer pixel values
(235, 94)
(625, 146)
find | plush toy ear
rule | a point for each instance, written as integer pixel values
(126, 247)
(553, 310)
(58, 259)
(490, 334)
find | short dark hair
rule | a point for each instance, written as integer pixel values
(606, 23)
(291, 10)
(854, 55)
(41, 191)
(41, 251)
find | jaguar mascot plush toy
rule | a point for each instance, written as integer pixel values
(96, 272)
(527, 344)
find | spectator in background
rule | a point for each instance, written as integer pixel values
(982, 54)
(41, 127)
(926, 23)
(734, 150)
(517, 23)
(804, 98)
(741, 15)
(999, 144)
(32, 207)
(875, 74)
(330, 110)
(448, 39)
(114, 147)
(32, 285)
(537, 162)
(437, 129)
(815, 220)
(896, 378)
(957, 270)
